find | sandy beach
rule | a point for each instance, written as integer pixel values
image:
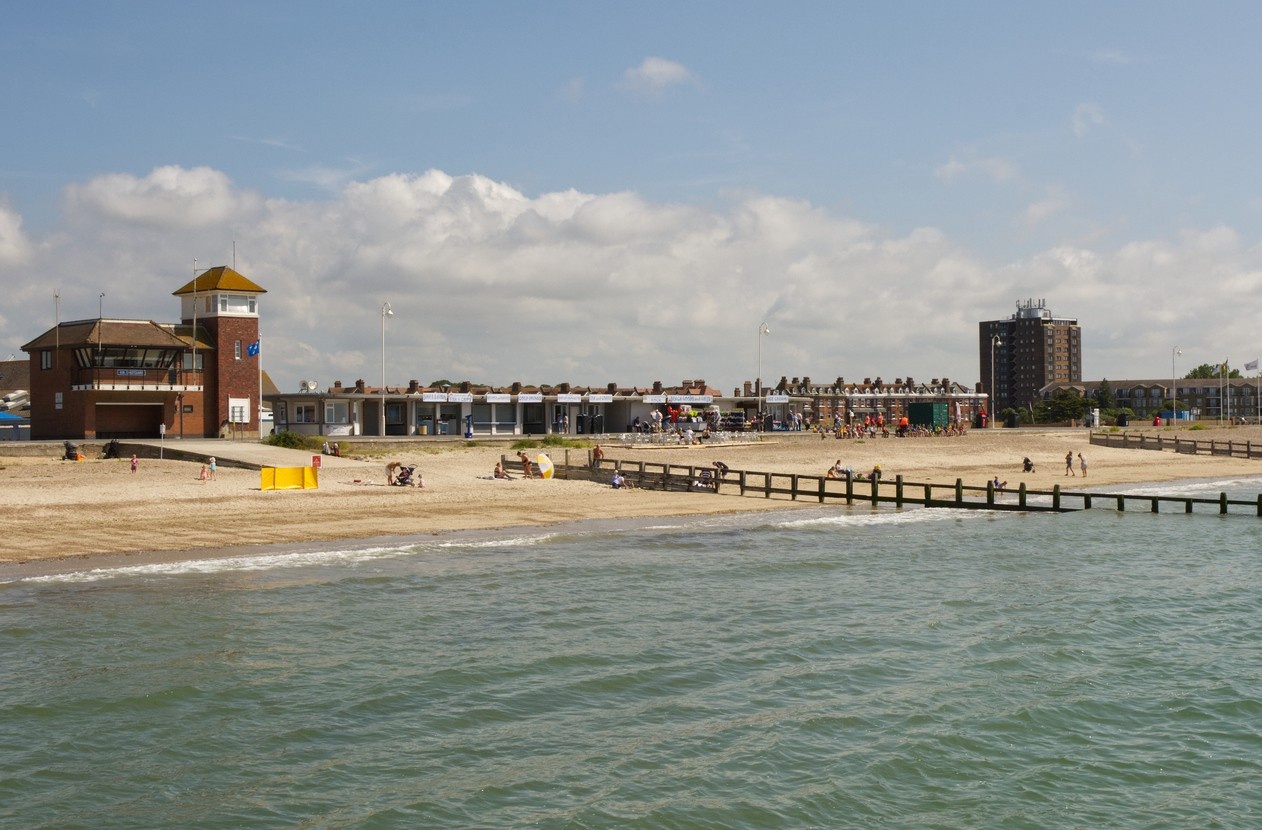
(58, 511)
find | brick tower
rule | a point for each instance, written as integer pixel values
(221, 309)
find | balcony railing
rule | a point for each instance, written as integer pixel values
(138, 380)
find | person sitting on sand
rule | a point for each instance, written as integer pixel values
(500, 472)
(722, 468)
(1027, 465)
(420, 480)
(617, 482)
(835, 471)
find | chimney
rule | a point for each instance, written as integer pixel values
(516, 387)
(359, 385)
(657, 387)
(337, 384)
(611, 388)
(564, 389)
(464, 386)
(701, 383)
(687, 384)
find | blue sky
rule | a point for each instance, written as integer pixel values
(623, 192)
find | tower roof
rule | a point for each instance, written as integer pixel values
(219, 278)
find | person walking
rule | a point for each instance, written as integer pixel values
(1069, 464)
(1082, 465)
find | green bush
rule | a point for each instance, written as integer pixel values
(293, 441)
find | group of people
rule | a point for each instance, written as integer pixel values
(1027, 466)
(847, 473)
(399, 474)
(208, 470)
(331, 449)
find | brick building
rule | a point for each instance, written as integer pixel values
(106, 378)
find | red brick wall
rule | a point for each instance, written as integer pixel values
(232, 378)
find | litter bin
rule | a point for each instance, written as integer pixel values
(1123, 420)
(424, 429)
(1012, 420)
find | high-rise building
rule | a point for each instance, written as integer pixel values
(1029, 350)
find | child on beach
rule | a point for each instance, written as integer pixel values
(202, 475)
(1082, 465)
(1069, 464)
(134, 463)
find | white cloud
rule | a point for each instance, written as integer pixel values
(1113, 56)
(1053, 202)
(998, 170)
(1085, 117)
(654, 75)
(170, 196)
(495, 285)
(15, 248)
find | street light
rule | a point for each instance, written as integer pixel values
(386, 311)
(762, 329)
(994, 342)
(1174, 392)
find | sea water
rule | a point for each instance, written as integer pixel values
(825, 667)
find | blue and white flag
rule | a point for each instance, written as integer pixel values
(1251, 366)
(253, 349)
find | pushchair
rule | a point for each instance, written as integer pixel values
(111, 449)
(403, 476)
(72, 452)
(1027, 465)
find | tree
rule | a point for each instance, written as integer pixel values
(1063, 405)
(1210, 370)
(1104, 396)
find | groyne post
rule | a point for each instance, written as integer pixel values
(1056, 498)
(959, 491)
(1021, 496)
(990, 493)
(1222, 503)
(898, 490)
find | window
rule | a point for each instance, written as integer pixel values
(188, 361)
(337, 412)
(46, 359)
(237, 350)
(253, 305)
(304, 413)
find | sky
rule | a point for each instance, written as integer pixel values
(624, 192)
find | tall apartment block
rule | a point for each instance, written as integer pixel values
(1029, 350)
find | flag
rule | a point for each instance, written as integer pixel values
(253, 349)
(1251, 366)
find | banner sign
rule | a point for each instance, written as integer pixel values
(690, 398)
(569, 397)
(777, 399)
(655, 399)
(530, 397)
(434, 397)
(499, 397)
(599, 398)
(459, 397)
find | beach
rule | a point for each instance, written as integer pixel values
(59, 511)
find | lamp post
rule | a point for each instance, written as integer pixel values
(386, 311)
(995, 341)
(763, 328)
(1174, 378)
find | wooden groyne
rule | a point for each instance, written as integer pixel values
(652, 475)
(1144, 441)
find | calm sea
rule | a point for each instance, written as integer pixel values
(839, 667)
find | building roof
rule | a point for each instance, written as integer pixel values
(219, 278)
(132, 333)
(14, 374)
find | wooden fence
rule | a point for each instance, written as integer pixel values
(792, 486)
(1144, 441)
